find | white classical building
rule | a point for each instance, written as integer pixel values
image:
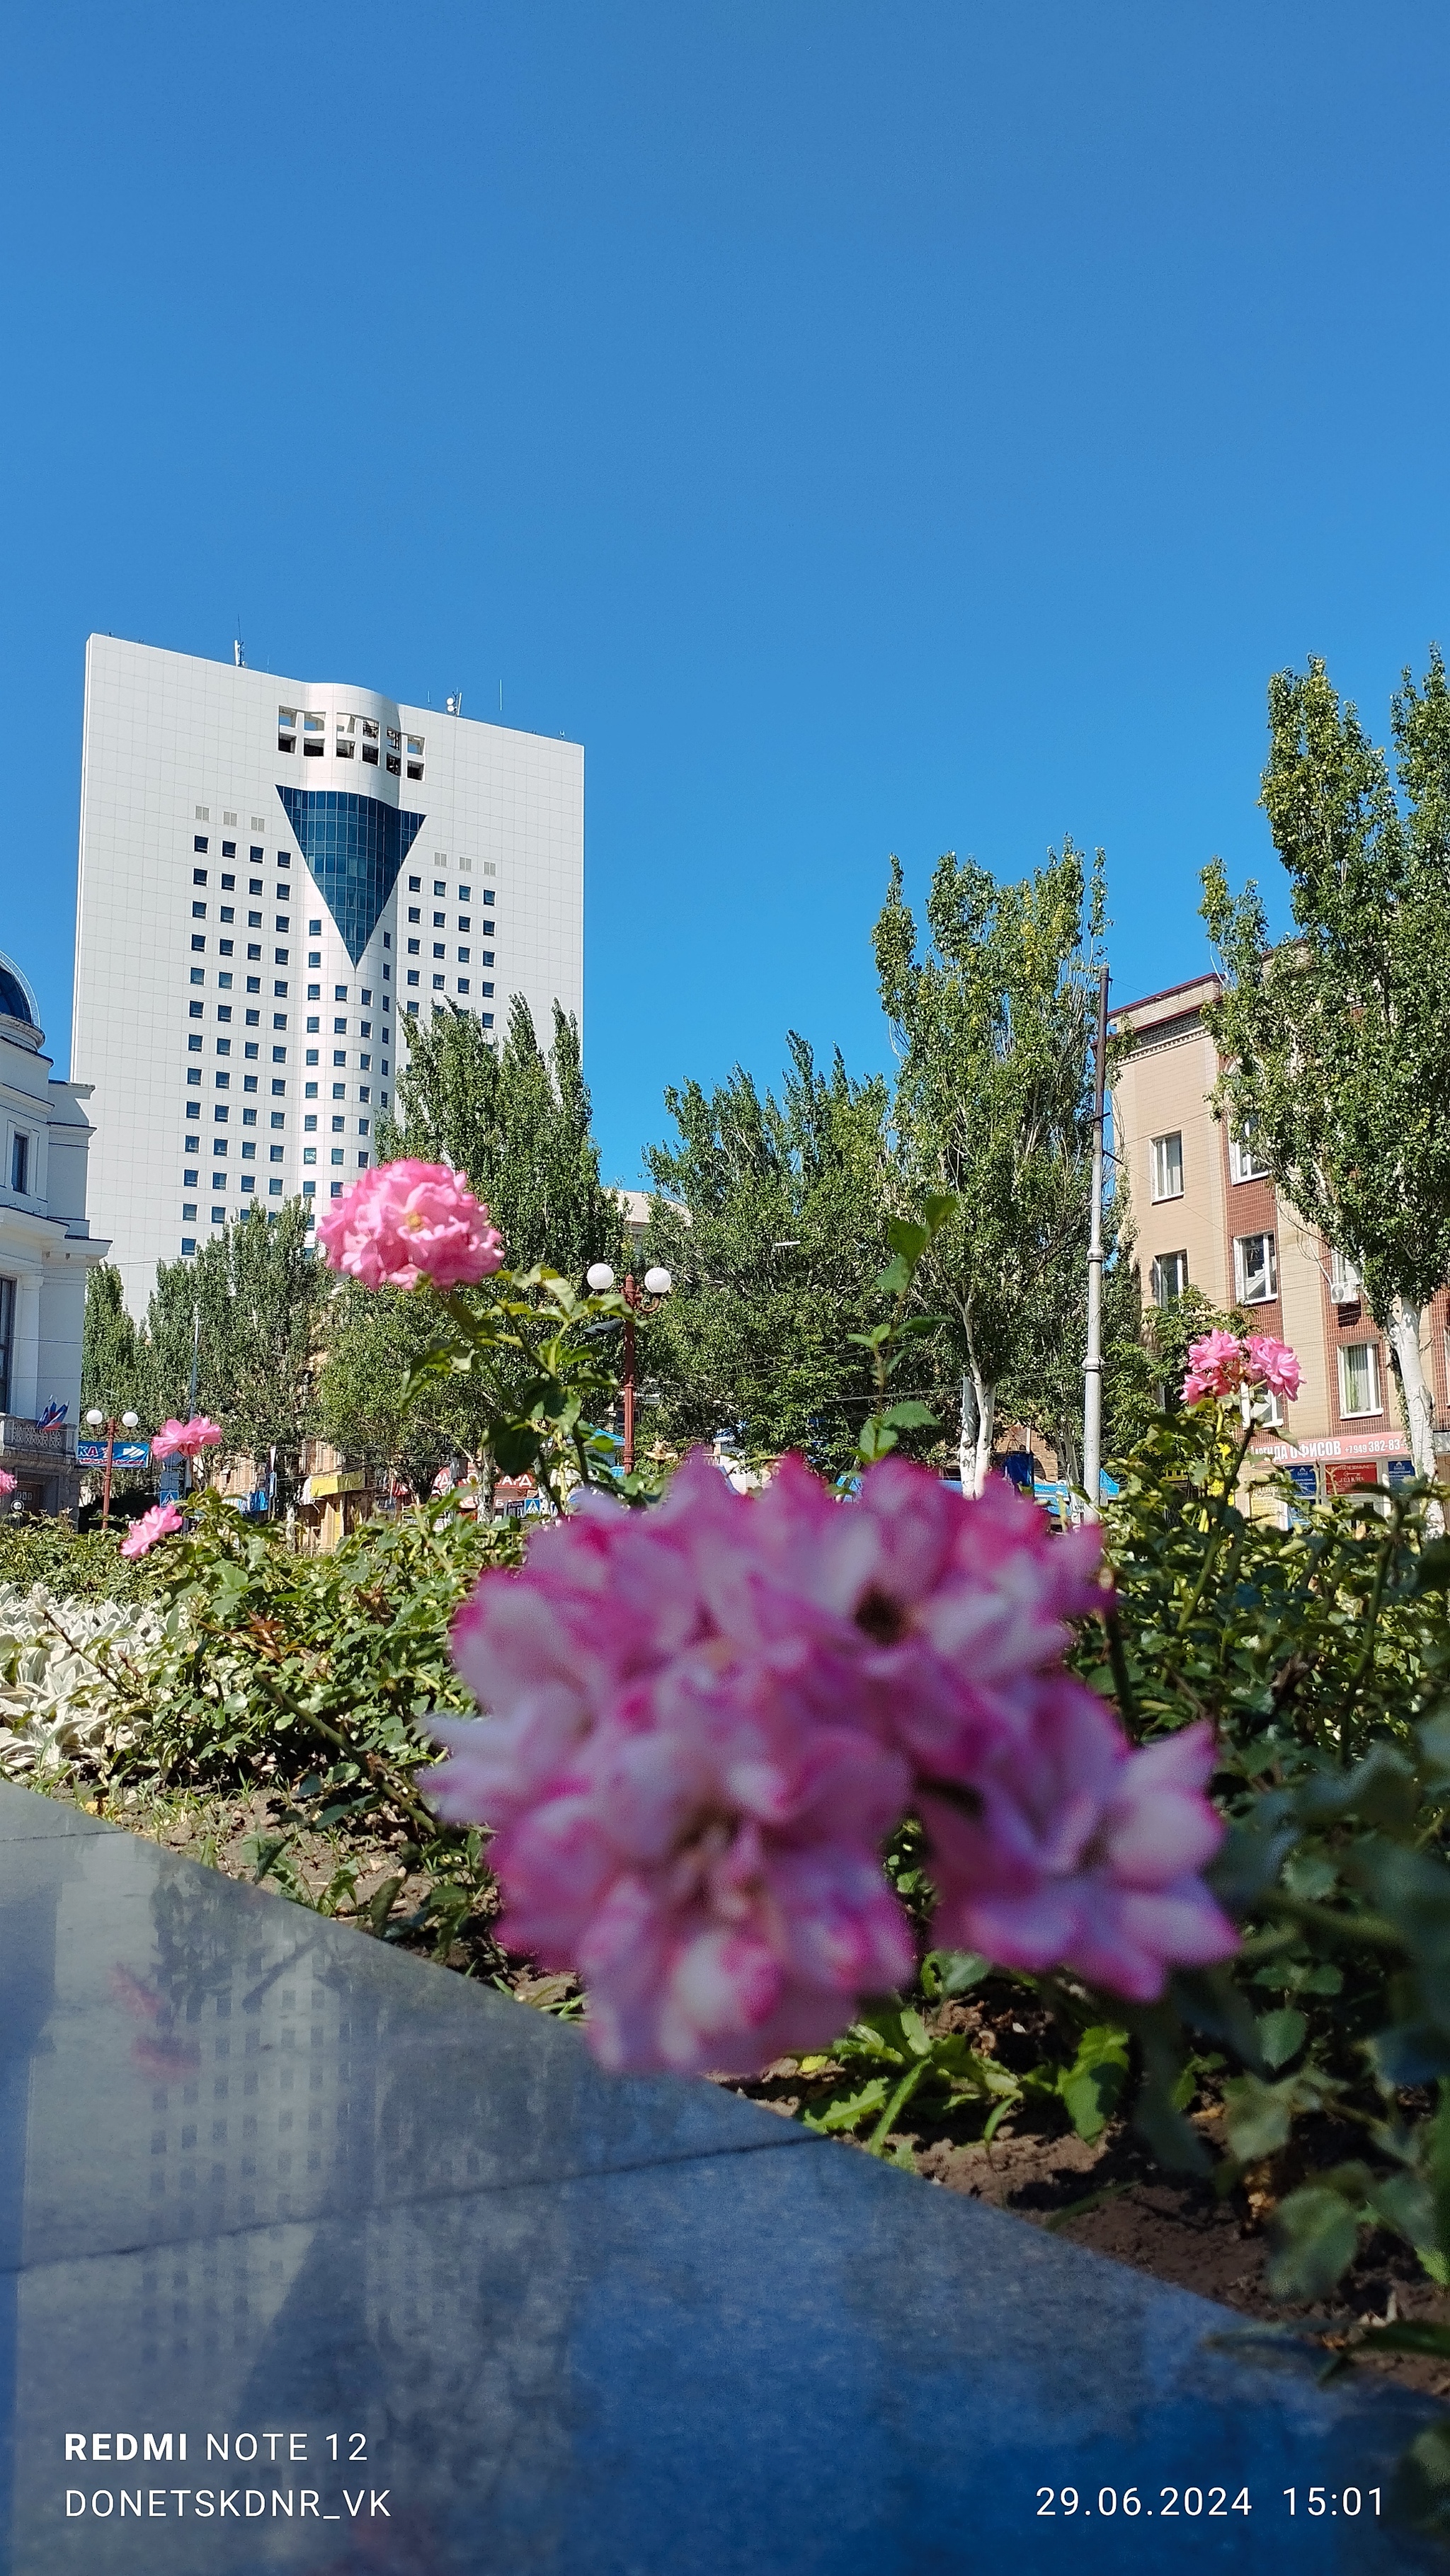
(273, 874)
(46, 1251)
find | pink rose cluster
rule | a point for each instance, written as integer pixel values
(7, 1481)
(406, 1221)
(162, 1521)
(186, 1439)
(705, 1720)
(1221, 1365)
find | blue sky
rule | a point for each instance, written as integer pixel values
(865, 427)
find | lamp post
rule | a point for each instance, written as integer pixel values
(97, 1420)
(657, 1286)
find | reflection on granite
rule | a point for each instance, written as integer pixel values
(423, 2290)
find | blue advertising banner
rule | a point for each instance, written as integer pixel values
(127, 1453)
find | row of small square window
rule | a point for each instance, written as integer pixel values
(221, 1114)
(225, 980)
(201, 843)
(440, 984)
(219, 1214)
(228, 948)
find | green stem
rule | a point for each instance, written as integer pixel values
(1370, 1929)
(897, 2105)
(1216, 1530)
(1122, 1678)
(1376, 1598)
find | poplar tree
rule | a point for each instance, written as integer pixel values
(1337, 1039)
(113, 1359)
(518, 1123)
(771, 1218)
(993, 1028)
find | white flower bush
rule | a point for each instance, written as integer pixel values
(58, 1697)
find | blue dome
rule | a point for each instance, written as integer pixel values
(14, 1000)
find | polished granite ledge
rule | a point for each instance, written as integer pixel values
(263, 2177)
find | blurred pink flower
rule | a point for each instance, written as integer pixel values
(161, 1521)
(406, 1221)
(7, 1481)
(186, 1439)
(714, 1878)
(1075, 1851)
(1271, 1363)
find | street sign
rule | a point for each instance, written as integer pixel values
(127, 1453)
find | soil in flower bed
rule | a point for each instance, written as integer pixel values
(1108, 2195)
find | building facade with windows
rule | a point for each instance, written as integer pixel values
(1205, 1214)
(273, 874)
(46, 1251)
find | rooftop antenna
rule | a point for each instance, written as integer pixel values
(239, 650)
(455, 703)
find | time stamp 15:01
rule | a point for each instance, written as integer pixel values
(1212, 2503)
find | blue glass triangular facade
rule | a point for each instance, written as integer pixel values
(354, 846)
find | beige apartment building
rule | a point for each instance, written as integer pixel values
(1206, 1214)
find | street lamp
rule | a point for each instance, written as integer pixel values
(97, 1420)
(657, 1286)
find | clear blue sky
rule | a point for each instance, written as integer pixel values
(864, 426)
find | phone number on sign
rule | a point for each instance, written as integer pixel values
(1175, 2502)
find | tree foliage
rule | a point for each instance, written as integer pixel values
(249, 1310)
(113, 1355)
(770, 1215)
(518, 1123)
(1338, 1039)
(993, 1026)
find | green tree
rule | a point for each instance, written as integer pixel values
(993, 1026)
(374, 1338)
(518, 1123)
(771, 1217)
(249, 1311)
(1337, 1039)
(113, 1357)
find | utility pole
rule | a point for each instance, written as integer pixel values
(1092, 1391)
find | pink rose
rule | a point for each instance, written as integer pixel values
(185, 1439)
(1271, 1363)
(1082, 1853)
(7, 1481)
(1220, 1365)
(707, 1717)
(406, 1221)
(161, 1521)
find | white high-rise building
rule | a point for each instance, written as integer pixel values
(272, 873)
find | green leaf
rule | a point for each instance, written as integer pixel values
(1092, 2086)
(1281, 2036)
(952, 1972)
(1258, 2116)
(909, 1415)
(848, 2110)
(1316, 2238)
(907, 1241)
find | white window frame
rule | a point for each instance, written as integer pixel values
(1242, 1290)
(1162, 1166)
(1180, 1257)
(1243, 1162)
(21, 1134)
(1357, 1412)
